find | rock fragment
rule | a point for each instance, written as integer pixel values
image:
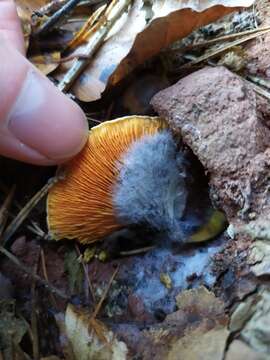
(224, 122)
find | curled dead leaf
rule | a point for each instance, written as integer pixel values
(135, 38)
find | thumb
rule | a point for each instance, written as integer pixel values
(38, 124)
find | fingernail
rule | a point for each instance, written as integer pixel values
(46, 120)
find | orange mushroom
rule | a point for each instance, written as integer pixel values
(80, 206)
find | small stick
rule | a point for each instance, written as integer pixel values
(45, 274)
(34, 325)
(35, 229)
(89, 118)
(29, 271)
(137, 251)
(222, 49)
(55, 5)
(51, 7)
(98, 307)
(4, 209)
(112, 14)
(221, 38)
(55, 18)
(23, 213)
(259, 90)
(259, 81)
(80, 35)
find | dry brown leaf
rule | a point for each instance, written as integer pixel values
(133, 39)
(198, 330)
(25, 9)
(201, 340)
(202, 301)
(200, 344)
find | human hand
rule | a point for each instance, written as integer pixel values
(38, 124)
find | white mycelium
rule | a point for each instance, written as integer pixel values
(151, 186)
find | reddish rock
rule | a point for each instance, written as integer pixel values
(224, 122)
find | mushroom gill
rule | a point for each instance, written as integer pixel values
(80, 206)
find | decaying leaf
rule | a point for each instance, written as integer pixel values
(200, 300)
(12, 329)
(137, 36)
(256, 330)
(203, 341)
(259, 258)
(200, 344)
(87, 342)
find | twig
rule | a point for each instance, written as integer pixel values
(81, 35)
(45, 274)
(90, 286)
(112, 14)
(34, 325)
(137, 251)
(35, 229)
(23, 213)
(51, 7)
(63, 60)
(89, 118)
(99, 305)
(259, 81)
(220, 50)
(221, 38)
(259, 90)
(91, 2)
(4, 209)
(29, 271)
(55, 18)
(6, 190)
(55, 5)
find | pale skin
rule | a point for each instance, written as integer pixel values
(38, 124)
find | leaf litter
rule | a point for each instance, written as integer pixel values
(150, 300)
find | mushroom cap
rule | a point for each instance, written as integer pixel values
(80, 206)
